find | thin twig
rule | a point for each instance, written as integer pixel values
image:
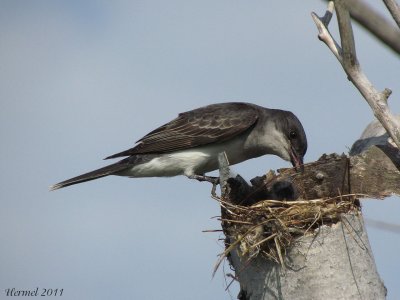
(350, 262)
(264, 240)
(278, 249)
(325, 36)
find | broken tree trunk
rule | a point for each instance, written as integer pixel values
(301, 235)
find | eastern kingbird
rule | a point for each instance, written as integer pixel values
(189, 145)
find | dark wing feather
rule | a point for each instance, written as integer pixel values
(202, 126)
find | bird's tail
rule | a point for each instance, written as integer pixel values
(102, 172)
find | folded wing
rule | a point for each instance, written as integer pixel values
(202, 126)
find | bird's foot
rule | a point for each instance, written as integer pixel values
(211, 179)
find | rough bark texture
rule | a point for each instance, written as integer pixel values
(374, 173)
(333, 262)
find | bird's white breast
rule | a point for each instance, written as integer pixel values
(171, 164)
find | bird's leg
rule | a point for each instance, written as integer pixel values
(213, 180)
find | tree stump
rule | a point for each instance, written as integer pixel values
(296, 235)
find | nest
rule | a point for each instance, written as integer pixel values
(270, 227)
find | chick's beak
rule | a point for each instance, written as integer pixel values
(296, 160)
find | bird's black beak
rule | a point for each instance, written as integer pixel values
(296, 160)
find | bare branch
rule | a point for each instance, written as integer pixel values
(324, 34)
(394, 9)
(348, 59)
(328, 14)
(375, 23)
(346, 36)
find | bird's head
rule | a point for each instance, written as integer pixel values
(291, 140)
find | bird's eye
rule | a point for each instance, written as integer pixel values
(293, 134)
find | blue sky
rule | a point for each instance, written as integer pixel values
(80, 80)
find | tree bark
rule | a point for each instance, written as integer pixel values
(335, 262)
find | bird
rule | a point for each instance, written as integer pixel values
(189, 145)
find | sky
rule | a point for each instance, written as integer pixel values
(81, 80)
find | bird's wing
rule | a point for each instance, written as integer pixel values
(202, 126)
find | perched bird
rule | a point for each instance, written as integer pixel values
(189, 145)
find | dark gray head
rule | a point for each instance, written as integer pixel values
(293, 137)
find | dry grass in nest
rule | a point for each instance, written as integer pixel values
(270, 227)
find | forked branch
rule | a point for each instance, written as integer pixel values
(346, 55)
(377, 24)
